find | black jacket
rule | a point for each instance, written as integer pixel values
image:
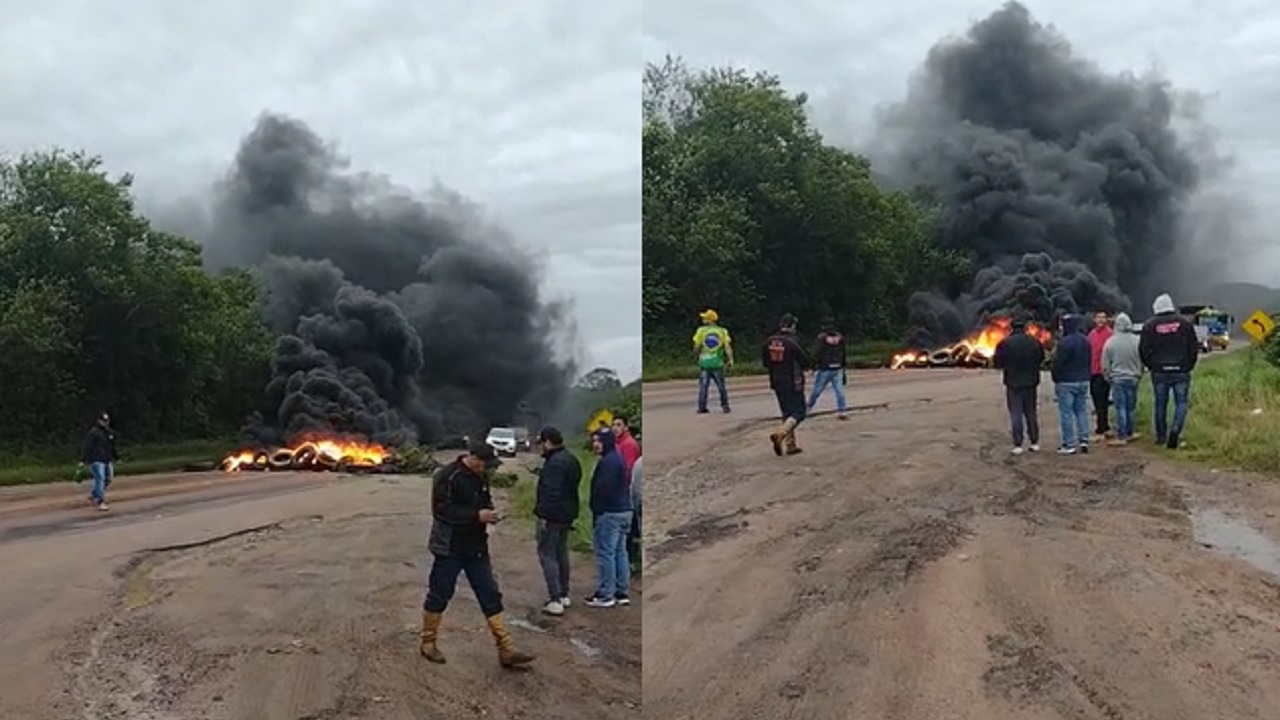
(99, 446)
(610, 483)
(830, 350)
(457, 497)
(786, 362)
(1073, 358)
(1168, 344)
(1020, 357)
(558, 481)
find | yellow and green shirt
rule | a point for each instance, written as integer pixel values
(711, 343)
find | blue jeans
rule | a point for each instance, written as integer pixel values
(1073, 412)
(704, 386)
(1124, 394)
(613, 571)
(1180, 385)
(823, 378)
(102, 473)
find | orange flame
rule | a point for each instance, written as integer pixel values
(310, 452)
(977, 349)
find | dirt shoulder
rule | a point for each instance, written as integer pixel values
(302, 605)
(906, 566)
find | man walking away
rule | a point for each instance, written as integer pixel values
(1071, 361)
(556, 509)
(1019, 358)
(611, 508)
(1098, 386)
(831, 354)
(1122, 367)
(714, 349)
(99, 453)
(633, 539)
(1169, 349)
(628, 448)
(461, 512)
(786, 361)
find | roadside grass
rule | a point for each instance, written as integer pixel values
(136, 460)
(522, 496)
(665, 364)
(1233, 418)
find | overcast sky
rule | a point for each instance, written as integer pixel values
(853, 57)
(529, 108)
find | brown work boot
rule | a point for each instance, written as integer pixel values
(430, 629)
(508, 655)
(792, 448)
(776, 440)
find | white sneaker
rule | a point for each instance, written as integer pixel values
(103, 507)
(553, 607)
(566, 602)
(1035, 447)
(1066, 451)
(1017, 450)
(597, 602)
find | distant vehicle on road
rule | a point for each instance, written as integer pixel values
(503, 441)
(524, 443)
(1213, 327)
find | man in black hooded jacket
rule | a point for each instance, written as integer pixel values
(556, 507)
(1020, 357)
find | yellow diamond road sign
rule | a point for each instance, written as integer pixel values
(1259, 326)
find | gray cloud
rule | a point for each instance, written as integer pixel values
(523, 111)
(854, 60)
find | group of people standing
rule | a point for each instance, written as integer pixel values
(1104, 363)
(463, 514)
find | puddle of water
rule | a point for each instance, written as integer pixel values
(585, 648)
(1219, 531)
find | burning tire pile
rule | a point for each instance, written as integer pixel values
(315, 454)
(974, 351)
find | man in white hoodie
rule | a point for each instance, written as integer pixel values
(1122, 368)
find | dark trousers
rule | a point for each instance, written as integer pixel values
(792, 404)
(553, 556)
(1023, 414)
(443, 580)
(633, 541)
(1100, 389)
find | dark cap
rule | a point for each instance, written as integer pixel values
(551, 435)
(484, 452)
(788, 321)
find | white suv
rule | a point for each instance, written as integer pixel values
(502, 440)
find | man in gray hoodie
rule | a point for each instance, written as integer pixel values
(1122, 368)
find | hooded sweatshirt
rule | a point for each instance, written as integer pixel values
(1120, 357)
(1168, 341)
(1098, 338)
(610, 484)
(1073, 357)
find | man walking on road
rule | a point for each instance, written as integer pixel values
(831, 355)
(1122, 366)
(714, 349)
(99, 454)
(611, 509)
(786, 361)
(1019, 358)
(1169, 349)
(1099, 388)
(1070, 372)
(462, 511)
(556, 509)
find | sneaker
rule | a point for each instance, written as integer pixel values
(566, 602)
(622, 599)
(1035, 447)
(1017, 450)
(102, 506)
(703, 411)
(842, 416)
(553, 607)
(599, 602)
(1084, 448)
(1173, 441)
(1066, 451)
(725, 410)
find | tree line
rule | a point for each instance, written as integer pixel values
(101, 311)
(749, 211)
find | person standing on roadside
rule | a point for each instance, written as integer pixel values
(1122, 366)
(714, 350)
(556, 508)
(1071, 361)
(1099, 388)
(611, 509)
(628, 448)
(1019, 357)
(462, 511)
(785, 359)
(99, 454)
(831, 355)
(1169, 349)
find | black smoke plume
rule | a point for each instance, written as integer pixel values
(401, 318)
(1066, 187)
